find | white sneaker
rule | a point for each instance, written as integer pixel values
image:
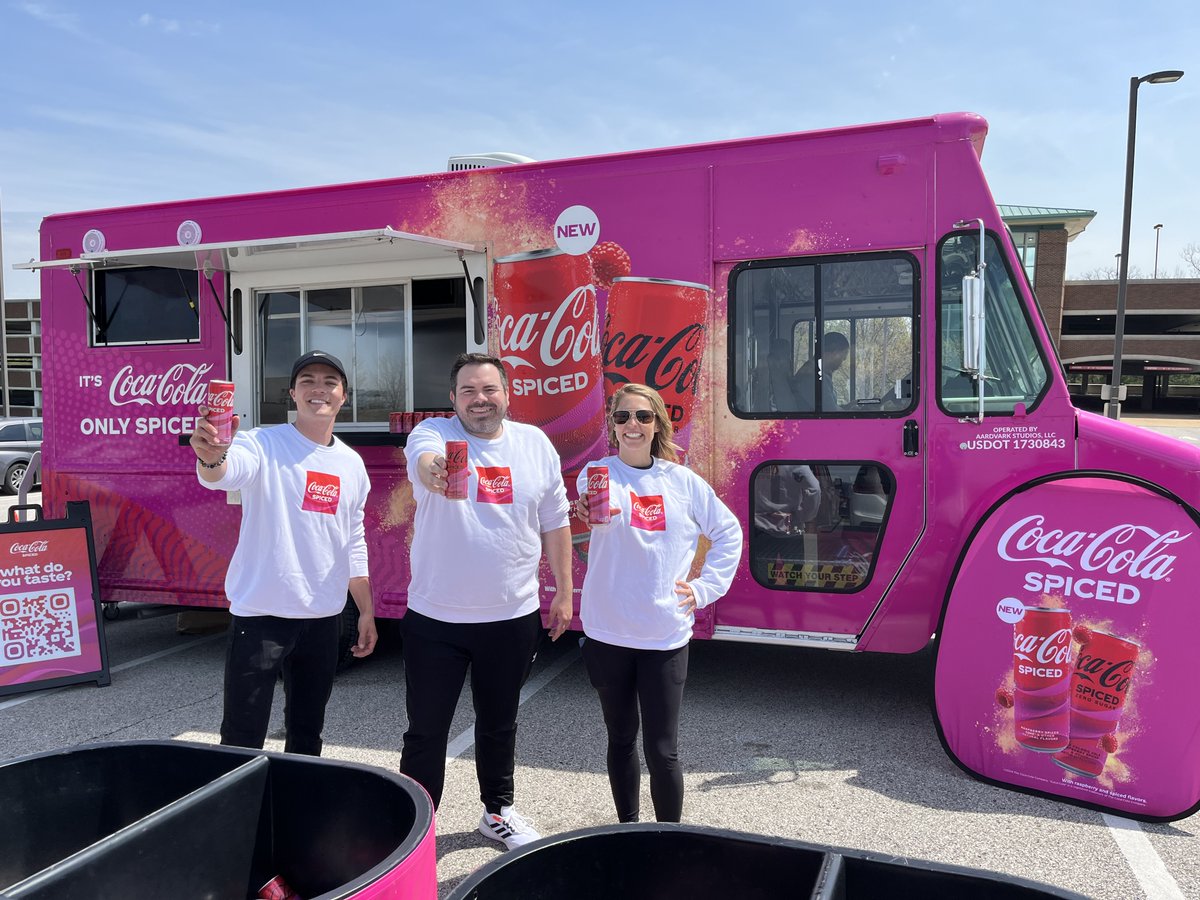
(509, 828)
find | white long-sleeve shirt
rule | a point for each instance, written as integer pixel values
(629, 594)
(476, 560)
(302, 537)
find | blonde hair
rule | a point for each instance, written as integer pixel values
(663, 446)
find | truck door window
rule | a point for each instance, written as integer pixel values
(145, 305)
(829, 336)
(1016, 366)
(817, 525)
(397, 342)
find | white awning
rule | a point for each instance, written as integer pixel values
(300, 251)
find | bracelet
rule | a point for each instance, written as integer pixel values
(215, 465)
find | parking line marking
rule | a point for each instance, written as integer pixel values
(1148, 868)
(461, 743)
(17, 701)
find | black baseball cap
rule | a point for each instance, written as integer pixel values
(315, 357)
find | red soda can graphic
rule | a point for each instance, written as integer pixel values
(219, 401)
(277, 889)
(1099, 685)
(654, 334)
(456, 470)
(550, 342)
(1042, 674)
(599, 510)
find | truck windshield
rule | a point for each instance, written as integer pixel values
(1016, 368)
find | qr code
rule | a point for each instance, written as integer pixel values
(38, 626)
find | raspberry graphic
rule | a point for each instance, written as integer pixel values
(1109, 743)
(609, 261)
(1004, 698)
(1082, 634)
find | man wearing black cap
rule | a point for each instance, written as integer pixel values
(301, 546)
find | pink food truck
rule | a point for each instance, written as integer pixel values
(851, 355)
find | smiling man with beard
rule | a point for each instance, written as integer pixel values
(474, 596)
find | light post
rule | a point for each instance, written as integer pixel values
(1114, 391)
(1157, 232)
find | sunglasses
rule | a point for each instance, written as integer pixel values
(644, 416)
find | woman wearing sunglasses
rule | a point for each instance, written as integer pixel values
(638, 605)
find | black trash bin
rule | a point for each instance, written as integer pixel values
(655, 862)
(173, 819)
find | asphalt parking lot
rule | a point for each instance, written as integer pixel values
(823, 747)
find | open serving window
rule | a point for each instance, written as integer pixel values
(396, 308)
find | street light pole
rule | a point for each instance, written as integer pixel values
(1157, 232)
(1114, 395)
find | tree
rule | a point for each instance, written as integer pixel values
(1190, 255)
(1108, 273)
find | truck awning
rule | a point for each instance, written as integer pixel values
(299, 251)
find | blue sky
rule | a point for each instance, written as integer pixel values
(117, 103)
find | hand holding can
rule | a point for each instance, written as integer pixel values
(219, 401)
(599, 511)
(456, 470)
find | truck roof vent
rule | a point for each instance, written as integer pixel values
(486, 161)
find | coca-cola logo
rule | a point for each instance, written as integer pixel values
(495, 484)
(671, 364)
(182, 383)
(1051, 649)
(647, 513)
(322, 492)
(29, 549)
(597, 482)
(222, 400)
(570, 332)
(1111, 674)
(1136, 550)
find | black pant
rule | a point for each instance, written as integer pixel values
(306, 650)
(436, 657)
(653, 680)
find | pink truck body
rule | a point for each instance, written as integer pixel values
(860, 489)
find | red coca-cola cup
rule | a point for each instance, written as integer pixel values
(1099, 685)
(219, 401)
(550, 342)
(456, 470)
(599, 508)
(277, 889)
(654, 334)
(1042, 674)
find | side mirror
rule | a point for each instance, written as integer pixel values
(973, 294)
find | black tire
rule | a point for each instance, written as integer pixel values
(13, 477)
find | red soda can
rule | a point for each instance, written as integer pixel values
(1099, 685)
(456, 470)
(219, 401)
(409, 421)
(599, 510)
(396, 422)
(277, 889)
(550, 342)
(654, 334)
(1042, 674)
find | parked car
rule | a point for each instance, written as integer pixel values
(19, 440)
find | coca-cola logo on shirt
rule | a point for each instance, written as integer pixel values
(1136, 550)
(33, 548)
(1050, 649)
(495, 484)
(674, 365)
(647, 513)
(569, 333)
(182, 383)
(321, 492)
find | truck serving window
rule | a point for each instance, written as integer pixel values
(397, 342)
(817, 524)
(828, 336)
(147, 305)
(1016, 369)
